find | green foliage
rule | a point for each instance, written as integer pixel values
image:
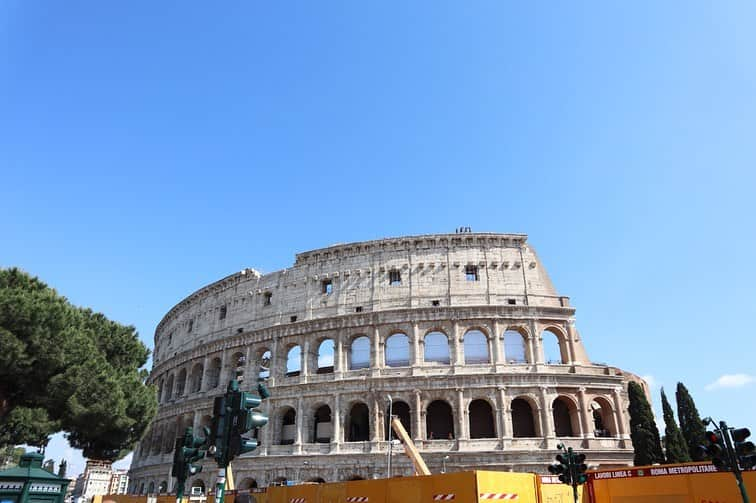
(67, 368)
(676, 448)
(693, 429)
(62, 468)
(643, 431)
(10, 456)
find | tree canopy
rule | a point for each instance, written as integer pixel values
(691, 425)
(643, 431)
(676, 448)
(66, 368)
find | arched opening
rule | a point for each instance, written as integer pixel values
(151, 488)
(247, 484)
(514, 347)
(402, 411)
(436, 348)
(198, 487)
(141, 488)
(214, 373)
(316, 480)
(523, 423)
(354, 477)
(476, 347)
(181, 383)
(293, 361)
(163, 487)
(603, 413)
(358, 423)
(360, 353)
(196, 378)
(481, 419)
(168, 390)
(264, 360)
(170, 438)
(288, 426)
(157, 441)
(397, 350)
(160, 391)
(439, 420)
(325, 357)
(565, 416)
(279, 481)
(322, 428)
(237, 360)
(554, 349)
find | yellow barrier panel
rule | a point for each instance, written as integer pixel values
(507, 486)
(679, 483)
(551, 490)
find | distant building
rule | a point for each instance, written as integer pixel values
(119, 482)
(96, 479)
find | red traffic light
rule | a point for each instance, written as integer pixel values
(740, 434)
(712, 437)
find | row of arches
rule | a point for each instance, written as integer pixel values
(196, 378)
(440, 421)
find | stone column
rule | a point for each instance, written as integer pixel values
(336, 417)
(417, 416)
(497, 356)
(375, 426)
(203, 384)
(300, 422)
(461, 416)
(585, 414)
(571, 336)
(501, 404)
(305, 366)
(338, 356)
(416, 354)
(619, 414)
(456, 353)
(547, 418)
(375, 360)
(274, 359)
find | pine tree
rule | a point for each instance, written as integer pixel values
(675, 445)
(693, 429)
(62, 467)
(643, 431)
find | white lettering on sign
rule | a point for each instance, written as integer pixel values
(655, 471)
(11, 486)
(44, 488)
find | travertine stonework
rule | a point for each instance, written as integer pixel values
(495, 396)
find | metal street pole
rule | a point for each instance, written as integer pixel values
(443, 464)
(389, 447)
(733, 458)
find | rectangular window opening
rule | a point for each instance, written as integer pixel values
(327, 286)
(358, 309)
(435, 303)
(293, 319)
(191, 326)
(223, 311)
(471, 273)
(267, 298)
(511, 302)
(395, 277)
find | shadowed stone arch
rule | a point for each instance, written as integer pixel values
(214, 373)
(358, 423)
(247, 484)
(168, 391)
(603, 415)
(439, 420)
(566, 417)
(401, 410)
(322, 424)
(263, 362)
(286, 417)
(181, 383)
(196, 378)
(481, 418)
(523, 418)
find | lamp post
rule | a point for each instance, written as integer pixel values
(443, 464)
(389, 447)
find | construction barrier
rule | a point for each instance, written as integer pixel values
(679, 483)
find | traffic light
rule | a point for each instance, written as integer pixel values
(243, 419)
(580, 477)
(562, 468)
(744, 450)
(717, 451)
(219, 428)
(188, 450)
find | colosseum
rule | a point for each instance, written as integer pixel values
(462, 336)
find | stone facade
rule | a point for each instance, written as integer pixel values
(465, 332)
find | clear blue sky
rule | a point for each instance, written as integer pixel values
(149, 148)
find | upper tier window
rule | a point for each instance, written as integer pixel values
(395, 277)
(471, 273)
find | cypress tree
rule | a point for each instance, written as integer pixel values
(693, 429)
(676, 447)
(62, 467)
(643, 431)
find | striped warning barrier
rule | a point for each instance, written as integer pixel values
(298, 500)
(357, 499)
(443, 497)
(499, 496)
